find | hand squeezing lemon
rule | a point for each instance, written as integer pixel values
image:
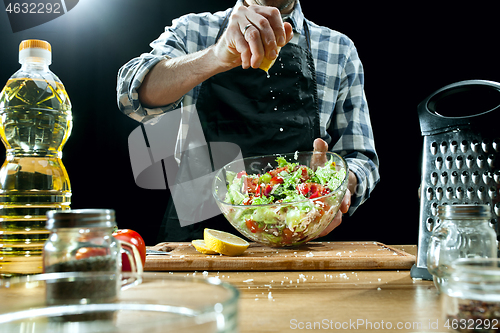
(216, 241)
(268, 63)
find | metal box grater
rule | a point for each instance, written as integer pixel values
(461, 155)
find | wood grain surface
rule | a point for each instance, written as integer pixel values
(311, 256)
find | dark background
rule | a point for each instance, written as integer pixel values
(408, 51)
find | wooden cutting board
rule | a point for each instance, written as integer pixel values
(310, 256)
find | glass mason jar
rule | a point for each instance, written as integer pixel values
(82, 241)
(471, 299)
(464, 232)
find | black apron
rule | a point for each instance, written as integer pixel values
(263, 114)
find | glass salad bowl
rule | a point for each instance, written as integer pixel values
(284, 199)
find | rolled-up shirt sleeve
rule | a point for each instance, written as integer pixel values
(173, 42)
(351, 125)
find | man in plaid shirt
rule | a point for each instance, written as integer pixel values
(315, 89)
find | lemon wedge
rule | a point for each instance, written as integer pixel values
(200, 246)
(268, 63)
(224, 242)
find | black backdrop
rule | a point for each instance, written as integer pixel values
(408, 52)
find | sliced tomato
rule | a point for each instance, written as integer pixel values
(253, 226)
(302, 189)
(241, 174)
(287, 235)
(267, 190)
(277, 171)
(276, 180)
(251, 185)
(247, 201)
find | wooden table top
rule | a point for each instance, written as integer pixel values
(352, 300)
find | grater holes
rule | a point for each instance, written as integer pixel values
(465, 177)
(496, 209)
(454, 177)
(492, 192)
(444, 147)
(459, 162)
(464, 146)
(434, 178)
(434, 208)
(496, 145)
(470, 193)
(449, 162)
(481, 193)
(491, 161)
(429, 194)
(434, 148)
(439, 193)
(470, 161)
(439, 163)
(454, 147)
(496, 176)
(430, 224)
(449, 193)
(480, 161)
(476, 178)
(487, 177)
(444, 178)
(485, 145)
(475, 146)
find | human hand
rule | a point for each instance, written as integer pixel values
(319, 158)
(344, 207)
(253, 32)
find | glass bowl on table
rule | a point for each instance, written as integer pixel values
(284, 199)
(149, 303)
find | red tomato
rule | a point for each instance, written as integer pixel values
(87, 252)
(251, 185)
(253, 226)
(287, 235)
(241, 174)
(135, 239)
(268, 190)
(276, 180)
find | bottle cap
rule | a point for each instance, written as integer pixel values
(34, 48)
(88, 218)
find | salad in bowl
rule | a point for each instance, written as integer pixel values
(282, 200)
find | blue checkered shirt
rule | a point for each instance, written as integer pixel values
(344, 118)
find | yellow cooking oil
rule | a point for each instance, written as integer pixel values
(35, 123)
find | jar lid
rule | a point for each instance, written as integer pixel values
(92, 218)
(465, 212)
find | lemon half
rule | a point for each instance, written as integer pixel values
(200, 246)
(268, 63)
(224, 242)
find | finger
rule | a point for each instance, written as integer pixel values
(319, 157)
(288, 33)
(264, 34)
(334, 224)
(235, 40)
(273, 16)
(320, 145)
(346, 202)
(253, 38)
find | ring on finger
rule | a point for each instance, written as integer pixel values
(246, 28)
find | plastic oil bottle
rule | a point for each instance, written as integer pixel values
(35, 123)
